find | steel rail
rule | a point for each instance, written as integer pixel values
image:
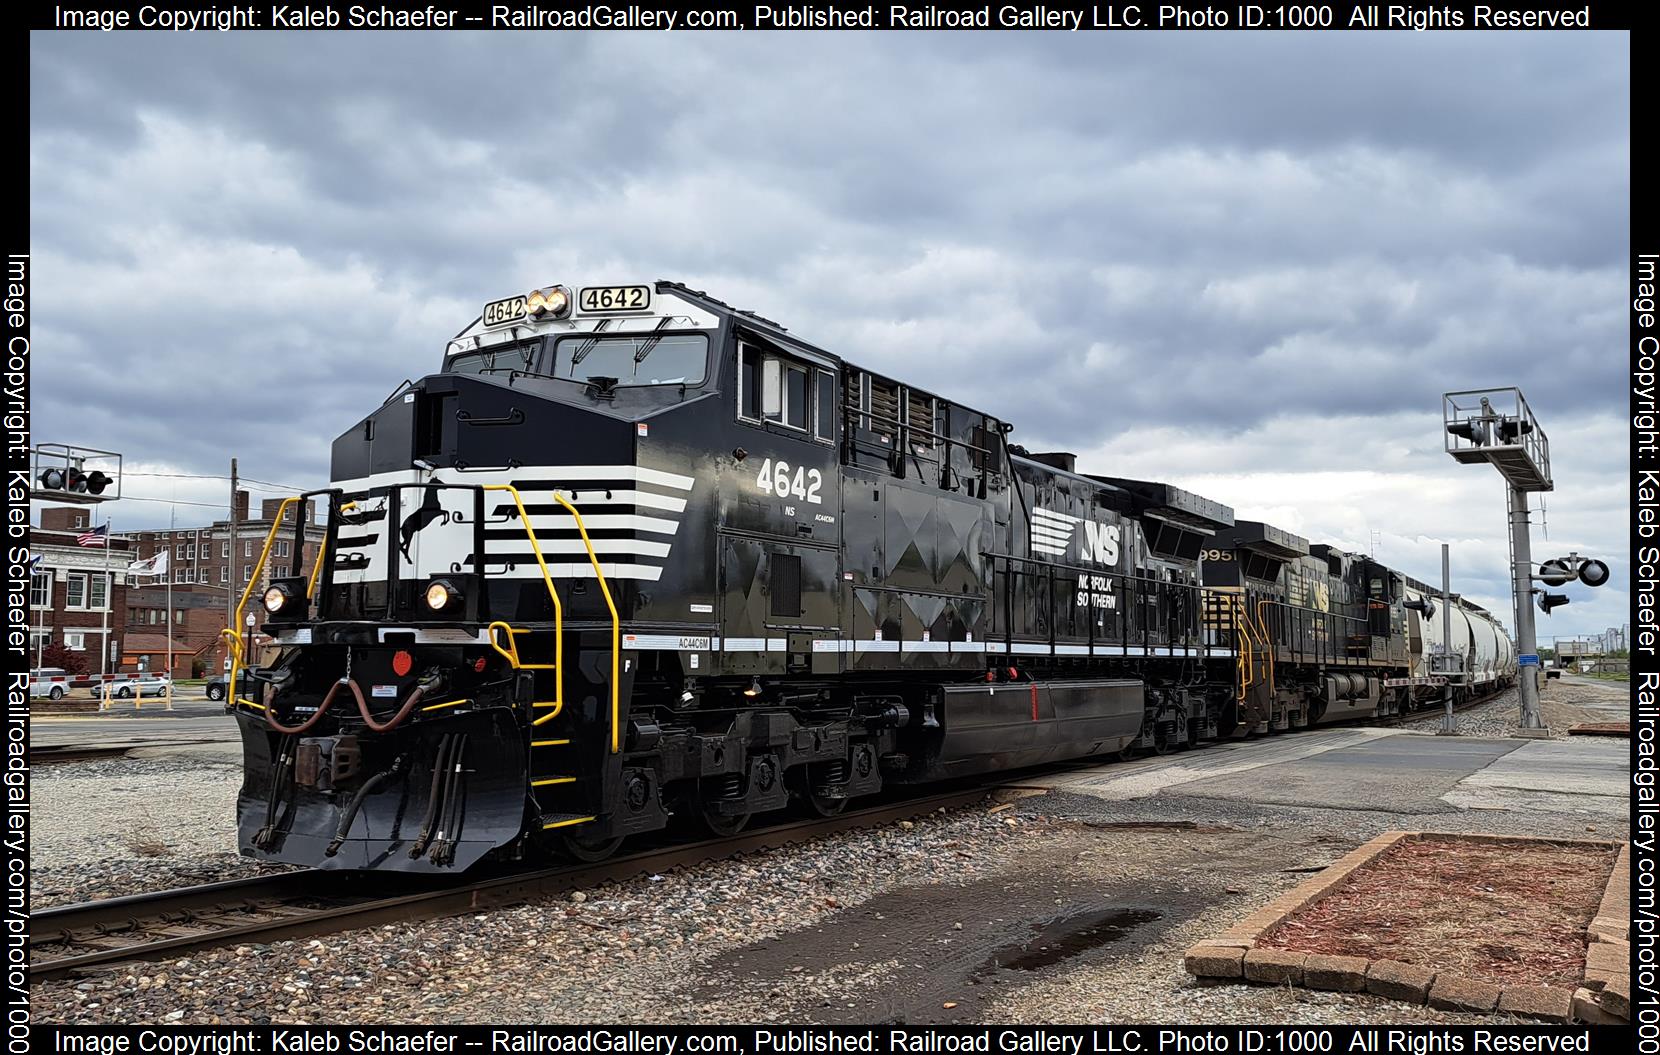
(142, 915)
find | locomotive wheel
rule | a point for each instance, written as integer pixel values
(824, 805)
(721, 824)
(1161, 740)
(587, 850)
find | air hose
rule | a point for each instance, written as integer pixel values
(363, 793)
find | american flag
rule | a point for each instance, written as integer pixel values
(98, 536)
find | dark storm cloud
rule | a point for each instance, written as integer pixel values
(242, 243)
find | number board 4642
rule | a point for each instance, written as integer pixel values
(780, 479)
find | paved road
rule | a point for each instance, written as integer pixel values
(1386, 770)
(195, 727)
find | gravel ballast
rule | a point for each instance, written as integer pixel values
(1058, 908)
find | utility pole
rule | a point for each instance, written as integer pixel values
(231, 577)
(1449, 725)
(1521, 583)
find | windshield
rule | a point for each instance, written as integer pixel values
(633, 358)
(501, 357)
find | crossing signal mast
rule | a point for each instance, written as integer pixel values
(1497, 426)
(78, 475)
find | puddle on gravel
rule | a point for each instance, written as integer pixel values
(1064, 938)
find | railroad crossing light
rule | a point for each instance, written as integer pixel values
(1470, 430)
(1548, 600)
(1512, 430)
(53, 479)
(1555, 572)
(96, 482)
(1593, 573)
(1423, 605)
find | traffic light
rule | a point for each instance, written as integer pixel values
(1548, 600)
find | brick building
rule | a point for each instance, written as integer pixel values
(208, 571)
(78, 598)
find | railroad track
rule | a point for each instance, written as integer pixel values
(1437, 709)
(79, 938)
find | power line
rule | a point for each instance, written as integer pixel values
(209, 476)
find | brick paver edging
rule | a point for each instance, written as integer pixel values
(1603, 996)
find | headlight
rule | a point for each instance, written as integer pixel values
(276, 599)
(440, 595)
(554, 302)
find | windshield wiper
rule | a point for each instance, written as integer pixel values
(587, 346)
(650, 344)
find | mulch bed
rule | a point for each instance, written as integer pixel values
(1600, 729)
(1511, 913)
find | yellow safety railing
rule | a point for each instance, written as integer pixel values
(233, 638)
(1245, 638)
(511, 653)
(235, 644)
(1267, 645)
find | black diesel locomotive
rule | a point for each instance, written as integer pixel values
(635, 557)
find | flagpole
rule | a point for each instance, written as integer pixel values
(109, 597)
(172, 521)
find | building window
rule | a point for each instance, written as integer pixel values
(247, 572)
(98, 591)
(40, 590)
(153, 614)
(224, 574)
(178, 551)
(282, 549)
(74, 594)
(178, 617)
(181, 575)
(225, 548)
(74, 642)
(190, 551)
(247, 551)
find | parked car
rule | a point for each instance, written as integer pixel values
(51, 682)
(215, 687)
(127, 686)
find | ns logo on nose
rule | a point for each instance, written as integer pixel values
(1052, 534)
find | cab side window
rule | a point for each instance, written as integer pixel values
(782, 391)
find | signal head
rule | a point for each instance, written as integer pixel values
(1593, 573)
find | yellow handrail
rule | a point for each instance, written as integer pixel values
(616, 622)
(265, 551)
(1267, 645)
(511, 653)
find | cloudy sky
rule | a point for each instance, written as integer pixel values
(1245, 264)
